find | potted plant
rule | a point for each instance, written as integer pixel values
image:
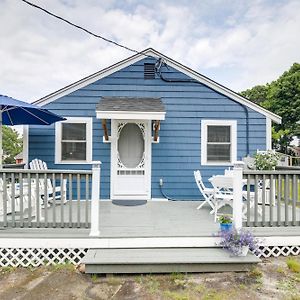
(239, 242)
(267, 160)
(225, 222)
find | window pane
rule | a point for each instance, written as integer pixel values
(73, 151)
(74, 131)
(131, 145)
(217, 152)
(218, 134)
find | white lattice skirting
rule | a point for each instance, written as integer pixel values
(275, 251)
(34, 257)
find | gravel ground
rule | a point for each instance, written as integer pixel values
(272, 279)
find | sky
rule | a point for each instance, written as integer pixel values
(238, 43)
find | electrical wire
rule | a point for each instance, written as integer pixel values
(84, 29)
(161, 63)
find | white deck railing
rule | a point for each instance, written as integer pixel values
(276, 198)
(50, 198)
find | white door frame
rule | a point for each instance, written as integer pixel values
(148, 160)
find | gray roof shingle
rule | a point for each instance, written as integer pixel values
(130, 104)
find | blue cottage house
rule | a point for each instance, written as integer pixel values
(151, 121)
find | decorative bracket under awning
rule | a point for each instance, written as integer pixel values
(156, 128)
(104, 126)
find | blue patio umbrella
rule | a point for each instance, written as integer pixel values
(16, 112)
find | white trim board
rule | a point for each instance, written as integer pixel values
(233, 136)
(176, 65)
(89, 140)
(164, 242)
(130, 115)
(268, 134)
(108, 242)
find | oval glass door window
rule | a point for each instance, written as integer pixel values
(131, 145)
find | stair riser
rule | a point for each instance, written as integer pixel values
(166, 268)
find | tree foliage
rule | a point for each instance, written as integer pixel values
(282, 97)
(12, 144)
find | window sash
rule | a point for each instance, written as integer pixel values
(219, 153)
(220, 142)
(73, 155)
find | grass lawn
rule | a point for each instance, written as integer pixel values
(274, 278)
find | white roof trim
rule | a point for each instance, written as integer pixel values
(130, 115)
(135, 58)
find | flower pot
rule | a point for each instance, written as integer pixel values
(226, 226)
(244, 251)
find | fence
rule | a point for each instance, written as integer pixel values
(50, 198)
(272, 198)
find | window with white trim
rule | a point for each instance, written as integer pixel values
(218, 142)
(73, 141)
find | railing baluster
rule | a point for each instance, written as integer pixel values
(294, 199)
(21, 193)
(62, 201)
(5, 200)
(78, 200)
(29, 200)
(53, 201)
(286, 199)
(86, 201)
(271, 204)
(70, 202)
(279, 192)
(37, 199)
(45, 200)
(263, 199)
(13, 200)
(248, 201)
(297, 198)
(256, 201)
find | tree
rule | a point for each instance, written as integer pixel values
(282, 97)
(12, 144)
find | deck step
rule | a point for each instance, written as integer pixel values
(165, 260)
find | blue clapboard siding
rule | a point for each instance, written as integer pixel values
(178, 154)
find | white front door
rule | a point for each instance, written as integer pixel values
(131, 159)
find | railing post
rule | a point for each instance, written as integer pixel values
(238, 195)
(95, 214)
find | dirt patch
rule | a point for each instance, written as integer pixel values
(272, 279)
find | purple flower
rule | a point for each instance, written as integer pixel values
(234, 240)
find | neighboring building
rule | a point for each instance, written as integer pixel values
(19, 158)
(150, 120)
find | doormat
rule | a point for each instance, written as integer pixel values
(129, 202)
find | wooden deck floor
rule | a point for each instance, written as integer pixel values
(154, 219)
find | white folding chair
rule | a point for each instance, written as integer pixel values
(207, 193)
(223, 195)
(223, 192)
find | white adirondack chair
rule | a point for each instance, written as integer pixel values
(207, 193)
(60, 191)
(8, 197)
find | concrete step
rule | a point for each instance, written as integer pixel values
(165, 260)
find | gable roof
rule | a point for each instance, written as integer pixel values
(176, 65)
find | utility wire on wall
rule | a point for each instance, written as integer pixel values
(84, 29)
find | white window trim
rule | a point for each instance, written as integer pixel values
(233, 134)
(89, 140)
